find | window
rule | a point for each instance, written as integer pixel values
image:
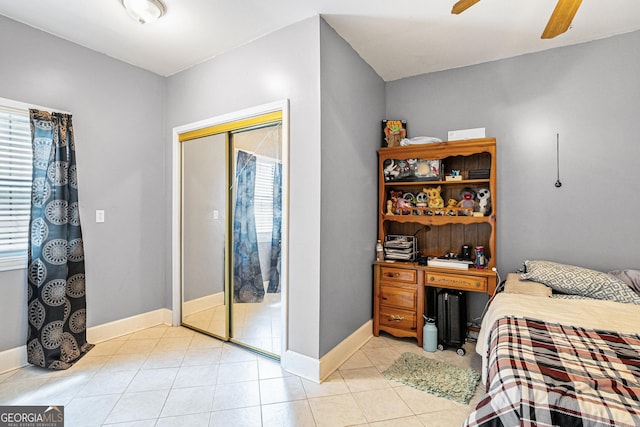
(263, 199)
(15, 186)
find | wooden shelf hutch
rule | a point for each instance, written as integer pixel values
(399, 286)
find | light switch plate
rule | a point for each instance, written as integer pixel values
(99, 215)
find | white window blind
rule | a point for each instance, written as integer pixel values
(15, 183)
(263, 197)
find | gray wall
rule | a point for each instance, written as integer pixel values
(352, 102)
(118, 115)
(284, 64)
(587, 93)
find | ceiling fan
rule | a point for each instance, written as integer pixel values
(558, 23)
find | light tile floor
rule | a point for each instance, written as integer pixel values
(164, 376)
(254, 324)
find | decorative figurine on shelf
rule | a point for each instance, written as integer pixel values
(391, 171)
(454, 176)
(394, 132)
(420, 202)
(435, 200)
(468, 196)
(452, 207)
(389, 207)
(404, 204)
(484, 201)
(395, 169)
(395, 196)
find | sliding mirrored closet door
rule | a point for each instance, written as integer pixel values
(204, 234)
(231, 216)
(257, 227)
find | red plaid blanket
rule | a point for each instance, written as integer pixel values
(544, 374)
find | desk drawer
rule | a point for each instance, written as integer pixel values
(454, 281)
(395, 318)
(398, 297)
(398, 275)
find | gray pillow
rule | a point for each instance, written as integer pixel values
(630, 277)
(569, 279)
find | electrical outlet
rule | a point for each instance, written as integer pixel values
(99, 215)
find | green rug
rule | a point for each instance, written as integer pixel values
(435, 377)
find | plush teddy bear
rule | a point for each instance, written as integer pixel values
(484, 201)
(435, 200)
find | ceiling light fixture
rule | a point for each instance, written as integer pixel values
(144, 11)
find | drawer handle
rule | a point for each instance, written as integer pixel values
(396, 318)
(384, 298)
(432, 279)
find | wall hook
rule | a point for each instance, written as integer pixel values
(558, 183)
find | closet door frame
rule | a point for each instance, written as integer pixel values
(199, 129)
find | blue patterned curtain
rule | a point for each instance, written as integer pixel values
(56, 281)
(247, 276)
(276, 232)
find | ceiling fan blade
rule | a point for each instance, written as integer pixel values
(463, 5)
(561, 18)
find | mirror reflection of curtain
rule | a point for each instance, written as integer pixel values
(247, 281)
(276, 232)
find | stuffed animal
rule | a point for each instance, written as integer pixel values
(484, 201)
(402, 205)
(452, 207)
(421, 200)
(395, 196)
(468, 196)
(435, 200)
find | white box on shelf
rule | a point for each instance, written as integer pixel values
(456, 135)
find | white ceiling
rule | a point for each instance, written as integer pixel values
(397, 38)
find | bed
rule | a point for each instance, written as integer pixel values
(556, 360)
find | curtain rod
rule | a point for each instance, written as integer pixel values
(26, 106)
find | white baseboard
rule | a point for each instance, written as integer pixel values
(15, 358)
(199, 304)
(117, 328)
(318, 370)
(304, 366)
(301, 365)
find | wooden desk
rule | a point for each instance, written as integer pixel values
(399, 294)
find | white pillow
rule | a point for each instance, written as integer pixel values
(513, 285)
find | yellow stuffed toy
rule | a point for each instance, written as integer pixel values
(435, 200)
